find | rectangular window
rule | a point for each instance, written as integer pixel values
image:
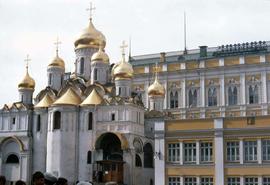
(113, 117)
(232, 151)
(250, 148)
(266, 150)
(90, 121)
(13, 120)
(206, 151)
(190, 181)
(190, 152)
(251, 181)
(207, 181)
(266, 181)
(173, 152)
(233, 181)
(38, 123)
(174, 181)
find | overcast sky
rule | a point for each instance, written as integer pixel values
(31, 27)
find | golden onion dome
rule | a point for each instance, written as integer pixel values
(122, 70)
(57, 62)
(100, 57)
(90, 37)
(156, 89)
(27, 82)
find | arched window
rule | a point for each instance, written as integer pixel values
(232, 95)
(89, 157)
(12, 159)
(81, 65)
(148, 156)
(90, 121)
(57, 120)
(50, 79)
(38, 122)
(138, 161)
(212, 97)
(253, 94)
(173, 100)
(192, 97)
(95, 74)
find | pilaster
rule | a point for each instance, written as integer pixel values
(219, 149)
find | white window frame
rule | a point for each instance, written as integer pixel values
(206, 151)
(251, 181)
(174, 152)
(266, 181)
(174, 180)
(250, 151)
(206, 181)
(190, 181)
(190, 152)
(266, 150)
(233, 181)
(233, 151)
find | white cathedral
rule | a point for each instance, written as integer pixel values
(81, 124)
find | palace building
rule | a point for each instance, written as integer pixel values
(192, 117)
(214, 123)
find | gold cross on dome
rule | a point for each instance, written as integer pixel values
(57, 43)
(123, 47)
(91, 9)
(27, 60)
(156, 68)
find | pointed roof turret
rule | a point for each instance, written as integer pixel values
(93, 99)
(68, 98)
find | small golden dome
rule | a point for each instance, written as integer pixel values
(57, 62)
(27, 82)
(122, 70)
(156, 90)
(100, 56)
(93, 99)
(90, 37)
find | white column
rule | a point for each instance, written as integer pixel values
(243, 88)
(165, 101)
(202, 85)
(146, 103)
(181, 147)
(219, 149)
(181, 180)
(160, 147)
(202, 64)
(197, 152)
(241, 151)
(264, 87)
(259, 151)
(184, 93)
(222, 90)
(260, 180)
(221, 62)
(198, 180)
(183, 65)
(241, 60)
(242, 180)
(262, 58)
(164, 67)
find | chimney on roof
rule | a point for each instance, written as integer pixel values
(162, 57)
(203, 51)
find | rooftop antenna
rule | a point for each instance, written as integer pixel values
(129, 53)
(185, 34)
